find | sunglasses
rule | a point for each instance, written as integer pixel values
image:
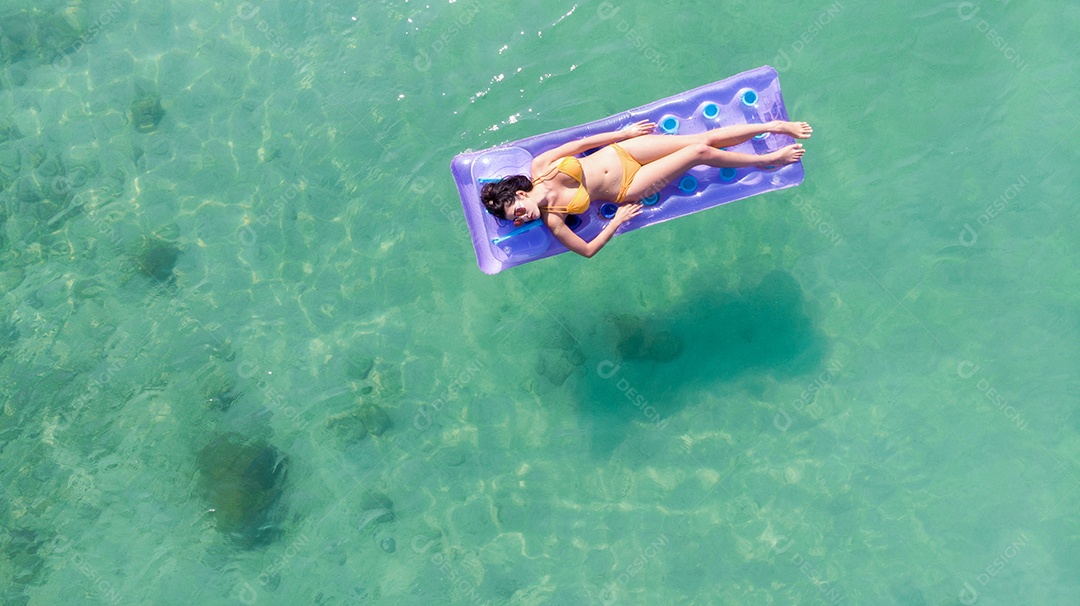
(519, 211)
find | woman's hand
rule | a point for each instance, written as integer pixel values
(639, 128)
(626, 212)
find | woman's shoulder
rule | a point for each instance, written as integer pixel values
(545, 161)
(542, 168)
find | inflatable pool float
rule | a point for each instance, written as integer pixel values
(751, 97)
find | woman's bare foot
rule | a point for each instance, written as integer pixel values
(799, 130)
(784, 155)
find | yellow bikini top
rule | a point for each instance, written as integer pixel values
(570, 166)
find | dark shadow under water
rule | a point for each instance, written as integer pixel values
(651, 366)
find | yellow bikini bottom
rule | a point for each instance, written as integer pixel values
(630, 166)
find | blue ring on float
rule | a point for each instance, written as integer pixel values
(669, 124)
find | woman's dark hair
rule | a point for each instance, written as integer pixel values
(497, 195)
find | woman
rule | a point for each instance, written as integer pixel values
(632, 165)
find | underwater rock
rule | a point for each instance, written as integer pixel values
(221, 351)
(23, 554)
(10, 279)
(56, 33)
(11, 160)
(83, 163)
(157, 260)
(216, 389)
(146, 113)
(558, 364)
(243, 482)
(359, 367)
(51, 167)
(9, 131)
(112, 185)
(167, 233)
(20, 40)
(389, 545)
(376, 507)
(36, 153)
(637, 340)
(222, 400)
(375, 419)
(27, 191)
(273, 581)
(347, 427)
(87, 288)
(269, 155)
(18, 76)
(453, 457)
(559, 357)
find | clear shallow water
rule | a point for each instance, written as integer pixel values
(859, 391)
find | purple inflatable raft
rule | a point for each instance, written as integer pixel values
(751, 97)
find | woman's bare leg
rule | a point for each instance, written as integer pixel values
(653, 176)
(734, 135)
(649, 148)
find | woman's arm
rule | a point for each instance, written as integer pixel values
(574, 242)
(544, 160)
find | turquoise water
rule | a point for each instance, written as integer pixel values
(246, 355)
